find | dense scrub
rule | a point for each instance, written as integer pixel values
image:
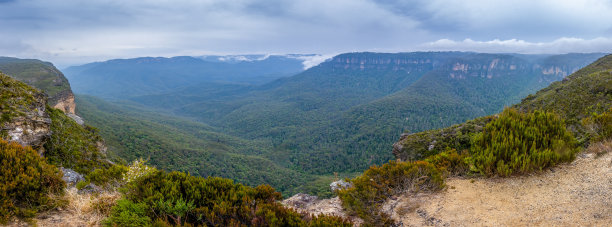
(419, 146)
(599, 126)
(520, 143)
(451, 162)
(177, 198)
(378, 183)
(74, 146)
(586, 92)
(28, 183)
(15, 98)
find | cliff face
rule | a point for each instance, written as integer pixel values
(64, 101)
(44, 76)
(408, 62)
(24, 117)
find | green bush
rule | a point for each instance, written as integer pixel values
(377, 184)
(328, 221)
(109, 176)
(15, 99)
(599, 126)
(128, 213)
(450, 162)
(521, 142)
(177, 198)
(28, 183)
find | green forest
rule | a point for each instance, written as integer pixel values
(333, 118)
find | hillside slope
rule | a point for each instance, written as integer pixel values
(44, 76)
(173, 143)
(581, 94)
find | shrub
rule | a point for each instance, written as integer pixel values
(177, 198)
(137, 169)
(599, 126)
(521, 142)
(328, 221)
(377, 184)
(27, 182)
(450, 162)
(107, 176)
(128, 213)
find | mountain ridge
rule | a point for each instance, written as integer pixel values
(44, 76)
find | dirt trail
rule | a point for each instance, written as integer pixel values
(574, 194)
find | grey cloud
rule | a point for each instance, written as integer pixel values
(73, 31)
(558, 46)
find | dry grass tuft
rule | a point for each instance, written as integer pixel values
(82, 209)
(600, 148)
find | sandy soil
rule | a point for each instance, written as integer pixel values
(574, 194)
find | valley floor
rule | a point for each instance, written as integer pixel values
(574, 194)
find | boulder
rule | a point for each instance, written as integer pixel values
(341, 184)
(71, 177)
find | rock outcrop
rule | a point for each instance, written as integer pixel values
(305, 203)
(71, 177)
(24, 118)
(340, 184)
(64, 101)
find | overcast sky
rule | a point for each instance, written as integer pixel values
(69, 32)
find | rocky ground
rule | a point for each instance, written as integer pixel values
(312, 205)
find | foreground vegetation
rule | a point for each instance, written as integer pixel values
(28, 183)
(521, 143)
(377, 184)
(176, 198)
(512, 143)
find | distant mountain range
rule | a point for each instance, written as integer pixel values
(122, 78)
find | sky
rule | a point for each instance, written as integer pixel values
(69, 32)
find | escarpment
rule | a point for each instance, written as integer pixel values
(64, 101)
(43, 76)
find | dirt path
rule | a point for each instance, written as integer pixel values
(575, 194)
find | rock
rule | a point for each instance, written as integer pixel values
(341, 184)
(71, 177)
(64, 101)
(305, 203)
(90, 188)
(300, 200)
(76, 118)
